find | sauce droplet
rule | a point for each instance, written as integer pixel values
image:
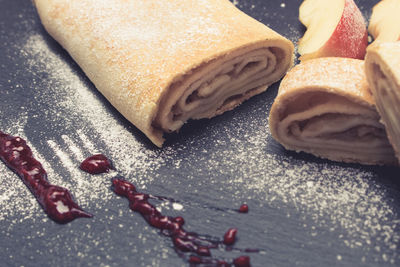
(230, 236)
(96, 164)
(195, 260)
(244, 208)
(242, 261)
(55, 200)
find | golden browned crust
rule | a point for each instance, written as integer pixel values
(136, 51)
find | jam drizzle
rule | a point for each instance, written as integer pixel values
(173, 227)
(55, 200)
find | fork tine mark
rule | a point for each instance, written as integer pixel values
(72, 146)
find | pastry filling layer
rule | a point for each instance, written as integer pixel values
(328, 122)
(388, 103)
(219, 85)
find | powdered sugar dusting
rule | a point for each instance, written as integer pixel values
(115, 136)
(141, 42)
(75, 100)
(345, 200)
(330, 73)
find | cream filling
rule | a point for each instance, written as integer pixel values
(219, 85)
(388, 102)
(337, 129)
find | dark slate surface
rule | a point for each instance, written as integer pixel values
(304, 211)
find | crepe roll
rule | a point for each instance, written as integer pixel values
(382, 66)
(384, 24)
(161, 63)
(324, 107)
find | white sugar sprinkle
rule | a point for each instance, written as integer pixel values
(76, 100)
(177, 206)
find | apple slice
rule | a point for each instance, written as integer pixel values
(334, 29)
(384, 24)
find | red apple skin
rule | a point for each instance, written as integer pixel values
(350, 38)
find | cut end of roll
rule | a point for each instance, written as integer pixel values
(381, 67)
(324, 107)
(221, 84)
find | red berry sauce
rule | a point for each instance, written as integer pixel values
(55, 200)
(244, 208)
(173, 227)
(184, 242)
(242, 261)
(96, 164)
(230, 236)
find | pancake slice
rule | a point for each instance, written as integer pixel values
(324, 107)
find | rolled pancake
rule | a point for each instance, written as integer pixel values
(324, 107)
(384, 24)
(161, 63)
(382, 66)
